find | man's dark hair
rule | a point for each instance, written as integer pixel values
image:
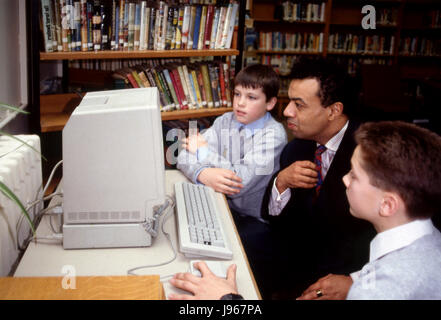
(331, 76)
(259, 76)
(404, 158)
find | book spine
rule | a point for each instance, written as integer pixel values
(191, 94)
(179, 28)
(185, 26)
(121, 25)
(208, 26)
(167, 89)
(220, 27)
(197, 24)
(214, 85)
(114, 28)
(222, 85)
(177, 78)
(131, 26)
(57, 25)
(132, 80)
(47, 25)
(185, 87)
(231, 25)
(77, 25)
(90, 26)
(175, 27)
(64, 26)
(191, 28)
(207, 85)
(144, 80)
(214, 27)
(136, 43)
(164, 26)
(171, 87)
(137, 79)
(84, 46)
(223, 39)
(201, 42)
(170, 29)
(142, 23)
(151, 34)
(194, 80)
(175, 86)
(201, 87)
(96, 22)
(126, 26)
(227, 84)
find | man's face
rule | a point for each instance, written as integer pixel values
(306, 117)
(364, 198)
(250, 104)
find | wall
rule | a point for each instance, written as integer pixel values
(13, 60)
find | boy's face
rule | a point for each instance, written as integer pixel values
(364, 198)
(250, 104)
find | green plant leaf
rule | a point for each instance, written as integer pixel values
(8, 193)
(21, 141)
(13, 108)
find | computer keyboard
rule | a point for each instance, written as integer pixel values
(200, 229)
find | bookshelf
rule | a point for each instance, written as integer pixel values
(51, 112)
(406, 36)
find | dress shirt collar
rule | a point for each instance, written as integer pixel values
(335, 141)
(251, 127)
(399, 237)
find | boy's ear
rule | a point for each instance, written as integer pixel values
(390, 204)
(271, 104)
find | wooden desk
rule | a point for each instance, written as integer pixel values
(84, 288)
(47, 258)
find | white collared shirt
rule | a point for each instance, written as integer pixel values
(396, 238)
(279, 201)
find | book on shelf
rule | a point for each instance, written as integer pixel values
(47, 25)
(87, 25)
(303, 11)
(361, 44)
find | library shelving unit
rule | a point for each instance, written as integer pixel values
(406, 35)
(51, 112)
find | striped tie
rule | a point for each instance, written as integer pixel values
(318, 161)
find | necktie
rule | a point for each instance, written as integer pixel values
(318, 161)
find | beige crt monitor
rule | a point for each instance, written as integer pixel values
(113, 169)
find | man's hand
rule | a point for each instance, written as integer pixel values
(332, 287)
(221, 180)
(194, 142)
(300, 174)
(207, 287)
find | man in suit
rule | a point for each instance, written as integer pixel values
(305, 201)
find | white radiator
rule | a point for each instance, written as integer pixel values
(20, 170)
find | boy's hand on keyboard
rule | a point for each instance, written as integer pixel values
(207, 287)
(221, 180)
(194, 142)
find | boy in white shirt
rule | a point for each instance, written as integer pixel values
(239, 154)
(394, 183)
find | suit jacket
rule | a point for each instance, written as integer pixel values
(321, 235)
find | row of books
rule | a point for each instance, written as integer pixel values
(183, 85)
(302, 11)
(130, 25)
(282, 64)
(434, 19)
(362, 44)
(417, 46)
(300, 41)
(386, 16)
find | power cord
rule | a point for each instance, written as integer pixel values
(171, 206)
